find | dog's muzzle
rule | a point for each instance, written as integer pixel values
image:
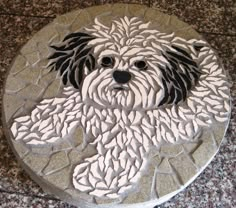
(121, 77)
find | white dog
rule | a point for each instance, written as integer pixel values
(131, 88)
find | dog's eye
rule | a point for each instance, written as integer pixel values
(141, 65)
(107, 61)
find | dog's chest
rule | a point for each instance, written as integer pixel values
(116, 122)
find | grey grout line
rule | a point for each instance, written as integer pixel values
(28, 195)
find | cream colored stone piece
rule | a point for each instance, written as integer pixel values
(35, 163)
(60, 179)
(58, 161)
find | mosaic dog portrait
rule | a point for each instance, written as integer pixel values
(132, 89)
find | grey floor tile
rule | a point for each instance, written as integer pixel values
(15, 31)
(73, 4)
(207, 16)
(33, 7)
(230, 20)
(11, 200)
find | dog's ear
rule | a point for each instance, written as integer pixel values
(71, 57)
(179, 75)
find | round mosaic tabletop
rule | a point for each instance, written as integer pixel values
(116, 106)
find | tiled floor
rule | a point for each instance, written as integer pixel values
(215, 20)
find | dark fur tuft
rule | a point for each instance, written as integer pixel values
(71, 58)
(179, 76)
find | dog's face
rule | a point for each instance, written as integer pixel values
(127, 65)
(125, 80)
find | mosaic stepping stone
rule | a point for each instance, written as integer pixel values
(116, 105)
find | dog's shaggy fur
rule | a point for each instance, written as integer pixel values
(174, 90)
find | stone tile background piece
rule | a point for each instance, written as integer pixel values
(20, 19)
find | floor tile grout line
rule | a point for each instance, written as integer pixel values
(28, 195)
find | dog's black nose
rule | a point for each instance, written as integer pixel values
(121, 77)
